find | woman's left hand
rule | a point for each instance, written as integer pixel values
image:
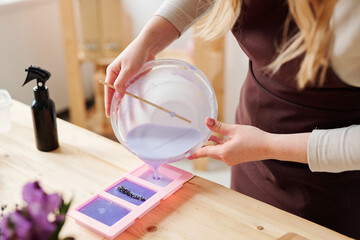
(243, 143)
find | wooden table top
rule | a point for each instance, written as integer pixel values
(86, 163)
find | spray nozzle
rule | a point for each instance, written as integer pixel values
(41, 76)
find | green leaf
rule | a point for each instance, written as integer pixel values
(64, 207)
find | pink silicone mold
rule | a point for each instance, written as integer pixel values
(110, 211)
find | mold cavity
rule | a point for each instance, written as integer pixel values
(138, 194)
(162, 181)
(104, 211)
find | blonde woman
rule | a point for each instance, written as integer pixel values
(296, 141)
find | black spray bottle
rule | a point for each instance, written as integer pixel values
(43, 110)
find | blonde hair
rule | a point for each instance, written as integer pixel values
(220, 19)
(312, 18)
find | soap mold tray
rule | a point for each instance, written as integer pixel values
(110, 211)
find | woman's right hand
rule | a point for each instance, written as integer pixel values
(123, 68)
(153, 38)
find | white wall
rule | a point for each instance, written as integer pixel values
(31, 34)
(236, 66)
(140, 15)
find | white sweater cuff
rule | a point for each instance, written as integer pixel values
(334, 150)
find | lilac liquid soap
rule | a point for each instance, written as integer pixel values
(159, 144)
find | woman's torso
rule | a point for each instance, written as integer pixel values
(274, 104)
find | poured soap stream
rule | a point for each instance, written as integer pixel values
(158, 144)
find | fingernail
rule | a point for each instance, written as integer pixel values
(118, 96)
(210, 122)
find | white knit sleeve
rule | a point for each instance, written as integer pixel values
(334, 150)
(344, 49)
(183, 13)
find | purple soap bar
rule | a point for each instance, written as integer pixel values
(135, 189)
(104, 211)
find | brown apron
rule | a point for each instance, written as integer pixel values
(273, 104)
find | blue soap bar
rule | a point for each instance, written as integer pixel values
(135, 190)
(104, 211)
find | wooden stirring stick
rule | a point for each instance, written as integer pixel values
(172, 114)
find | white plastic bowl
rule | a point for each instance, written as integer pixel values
(171, 84)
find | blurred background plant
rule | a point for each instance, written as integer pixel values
(41, 218)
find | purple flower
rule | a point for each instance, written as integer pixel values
(5, 228)
(32, 221)
(40, 203)
(15, 226)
